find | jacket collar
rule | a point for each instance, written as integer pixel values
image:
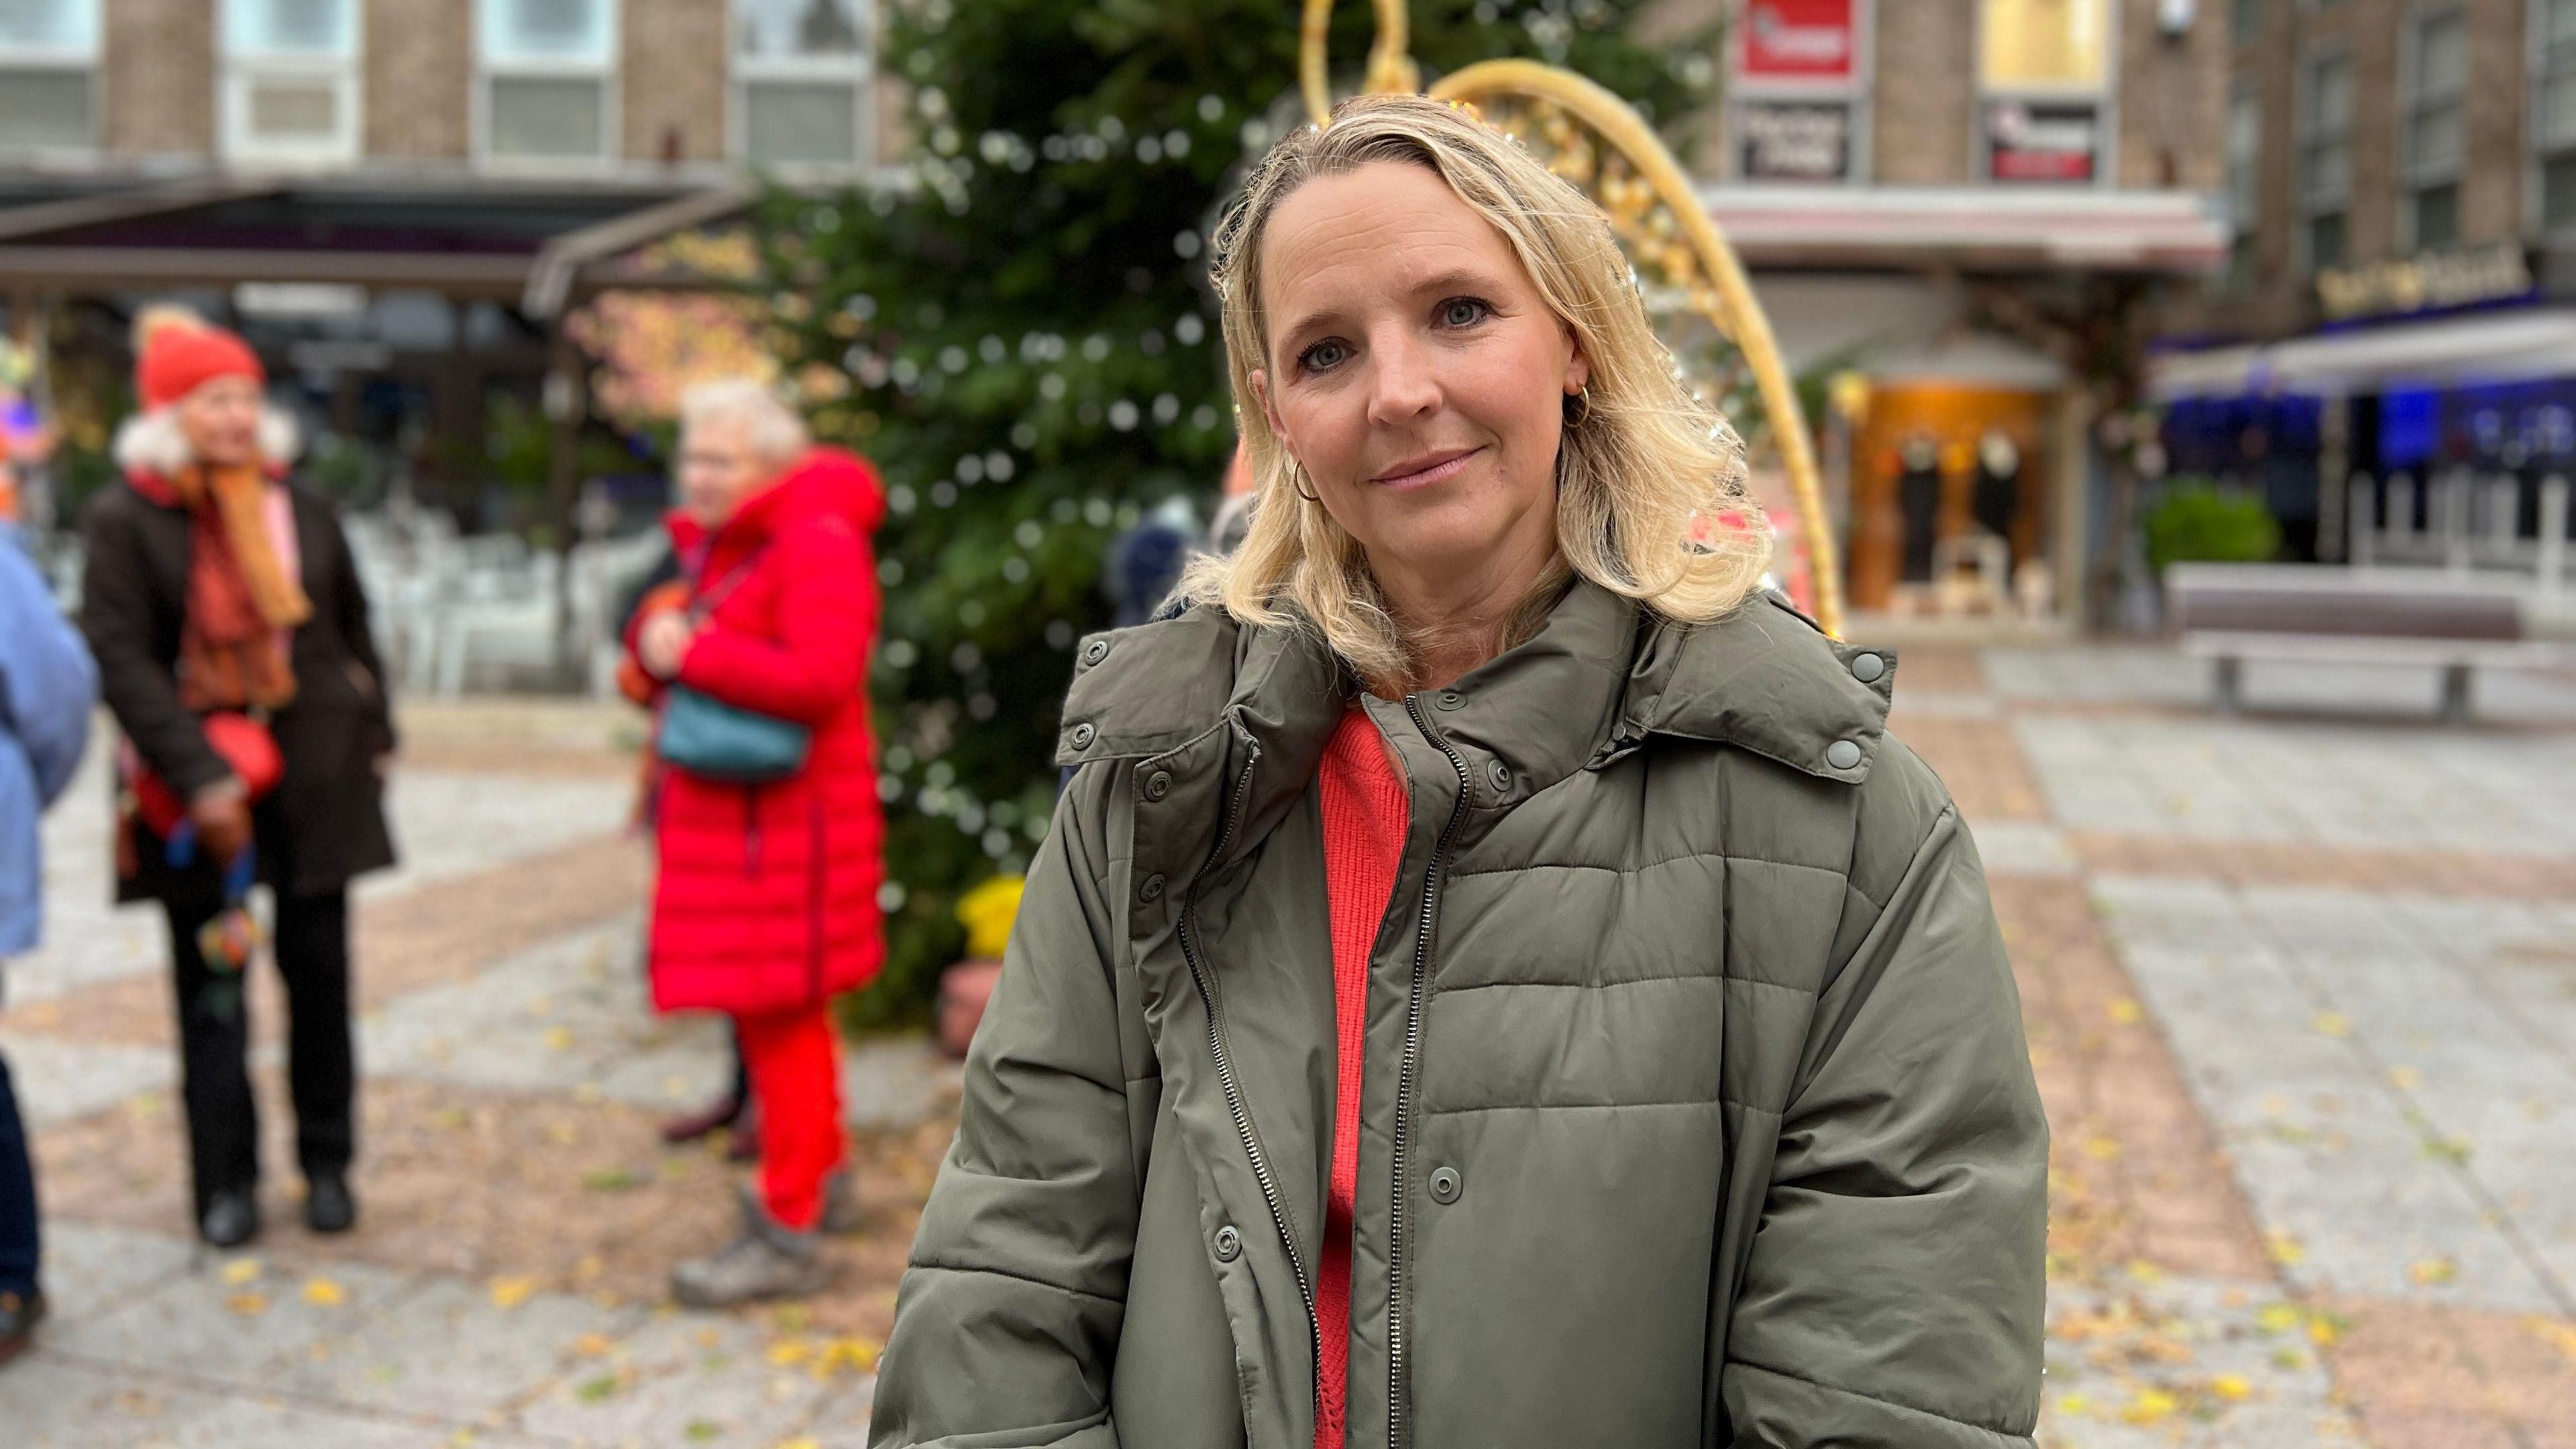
(1598, 679)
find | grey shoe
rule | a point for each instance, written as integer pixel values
(767, 1261)
(841, 1210)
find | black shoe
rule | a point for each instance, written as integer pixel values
(19, 1316)
(232, 1219)
(714, 1117)
(328, 1207)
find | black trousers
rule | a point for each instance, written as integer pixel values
(312, 951)
(20, 1248)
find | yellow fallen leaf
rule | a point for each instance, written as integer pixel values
(511, 1292)
(2100, 1148)
(2551, 1331)
(248, 1305)
(789, 1352)
(2323, 1331)
(323, 1293)
(2075, 1405)
(2278, 1318)
(2232, 1388)
(2333, 1023)
(558, 1038)
(2429, 1271)
(2151, 1406)
(240, 1271)
(2127, 1012)
(2405, 1079)
(850, 1353)
(2285, 1250)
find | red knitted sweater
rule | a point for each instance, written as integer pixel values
(1365, 815)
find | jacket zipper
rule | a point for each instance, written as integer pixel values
(1225, 1070)
(1398, 1432)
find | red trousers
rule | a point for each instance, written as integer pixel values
(796, 1079)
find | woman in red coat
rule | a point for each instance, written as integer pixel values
(766, 902)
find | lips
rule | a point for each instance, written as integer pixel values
(1427, 469)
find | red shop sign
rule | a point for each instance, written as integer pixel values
(1797, 40)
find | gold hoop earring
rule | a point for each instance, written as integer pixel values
(1578, 406)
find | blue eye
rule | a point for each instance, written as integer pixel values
(1321, 356)
(1463, 312)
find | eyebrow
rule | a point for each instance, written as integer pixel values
(1453, 280)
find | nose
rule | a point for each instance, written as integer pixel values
(1405, 384)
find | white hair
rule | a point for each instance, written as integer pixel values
(153, 442)
(776, 433)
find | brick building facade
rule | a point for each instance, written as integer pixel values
(463, 85)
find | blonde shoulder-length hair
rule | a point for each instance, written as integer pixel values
(1642, 477)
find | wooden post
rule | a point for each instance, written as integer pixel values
(2553, 541)
(567, 404)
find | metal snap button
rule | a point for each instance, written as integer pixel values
(1868, 667)
(1500, 774)
(1158, 785)
(1152, 889)
(1445, 1185)
(1083, 735)
(1842, 754)
(1229, 1244)
(1449, 699)
(1095, 651)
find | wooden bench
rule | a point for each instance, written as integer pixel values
(2326, 614)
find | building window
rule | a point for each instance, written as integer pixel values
(548, 84)
(2244, 179)
(2245, 21)
(801, 70)
(2555, 125)
(290, 79)
(2436, 89)
(48, 75)
(2325, 156)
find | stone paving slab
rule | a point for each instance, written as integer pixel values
(57, 1081)
(232, 1319)
(453, 1351)
(2347, 785)
(682, 1380)
(2363, 1190)
(2159, 1361)
(2152, 675)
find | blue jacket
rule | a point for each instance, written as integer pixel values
(48, 687)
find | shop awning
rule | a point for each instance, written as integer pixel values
(2484, 347)
(538, 245)
(1980, 228)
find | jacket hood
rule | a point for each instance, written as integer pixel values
(1599, 677)
(824, 483)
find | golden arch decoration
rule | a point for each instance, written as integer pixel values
(1601, 144)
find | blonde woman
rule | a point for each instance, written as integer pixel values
(1492, 981)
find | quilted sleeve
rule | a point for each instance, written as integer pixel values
(1893, 1297)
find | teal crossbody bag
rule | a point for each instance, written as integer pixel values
(713, 740)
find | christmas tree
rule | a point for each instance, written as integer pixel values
(1023, 339)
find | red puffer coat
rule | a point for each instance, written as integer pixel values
(767, 897)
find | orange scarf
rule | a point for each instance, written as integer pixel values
(243, 607)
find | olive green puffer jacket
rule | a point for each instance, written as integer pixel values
(1697, 1108)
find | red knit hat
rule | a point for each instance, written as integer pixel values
(176, 352)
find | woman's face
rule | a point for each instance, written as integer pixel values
(719, 468)
(1414, 371)
(221, 422)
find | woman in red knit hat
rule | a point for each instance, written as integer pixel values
(234, 650)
